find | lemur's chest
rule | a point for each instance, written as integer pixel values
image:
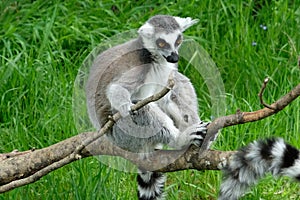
(155, 80)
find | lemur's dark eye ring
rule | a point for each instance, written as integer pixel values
(161, 43)
(178, 41)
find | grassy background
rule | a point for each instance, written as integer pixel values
(43, 44)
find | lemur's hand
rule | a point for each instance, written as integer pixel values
(198, 133)
(194, 134)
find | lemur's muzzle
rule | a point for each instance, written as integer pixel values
(173, 58)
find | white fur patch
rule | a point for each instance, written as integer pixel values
(292, 171)
(171, 38)
(278, 152)
(185, 23)
(257, 163)
(156, 79)
(147, 30)
(231, 189)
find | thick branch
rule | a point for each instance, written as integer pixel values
(26, 168)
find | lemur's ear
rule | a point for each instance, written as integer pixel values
(185, 23)
(147, 30)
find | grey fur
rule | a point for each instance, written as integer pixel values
(108, 67)
(119, 77)
(137, 69)
(163, 23)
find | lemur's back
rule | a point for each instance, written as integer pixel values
(108, 66)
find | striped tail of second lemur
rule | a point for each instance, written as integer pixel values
(150, 185)
(255, 160)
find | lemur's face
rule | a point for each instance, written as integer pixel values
(164, 45)
(167, 45)
(162, 36)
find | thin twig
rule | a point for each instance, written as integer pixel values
(260, 95)
(245, 117)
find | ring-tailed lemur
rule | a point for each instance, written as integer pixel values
(252, 162)
(137, 69)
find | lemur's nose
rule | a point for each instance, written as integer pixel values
(173, 58)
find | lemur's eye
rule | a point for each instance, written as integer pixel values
(178, 41)
(161, 43)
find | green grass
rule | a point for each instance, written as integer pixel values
(44, 43)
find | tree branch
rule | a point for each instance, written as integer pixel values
(26, 168)
(14, 153)
(75, 154)
(245, 117)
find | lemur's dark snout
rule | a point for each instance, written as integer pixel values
(173, 58)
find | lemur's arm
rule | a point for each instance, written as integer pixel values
(119, 97)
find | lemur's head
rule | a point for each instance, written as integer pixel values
(162, 35)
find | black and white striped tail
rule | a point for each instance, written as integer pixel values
(253, 161)
(150, 185)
